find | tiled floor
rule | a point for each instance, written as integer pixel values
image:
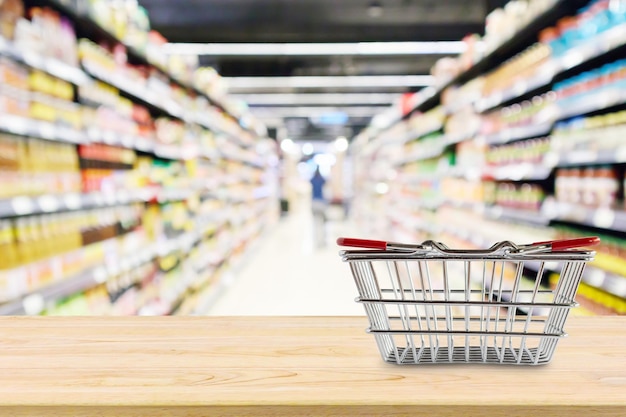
(289, 275)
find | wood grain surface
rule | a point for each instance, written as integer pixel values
(286, 366)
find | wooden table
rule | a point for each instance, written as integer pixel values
(289, 366)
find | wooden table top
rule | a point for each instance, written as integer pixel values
(291, 366)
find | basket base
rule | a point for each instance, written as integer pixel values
(461, 354)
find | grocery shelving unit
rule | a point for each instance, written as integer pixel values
(199, 200)
(429, 186)
(525, 36)
(86, 25)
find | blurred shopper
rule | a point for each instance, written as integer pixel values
(318, 205)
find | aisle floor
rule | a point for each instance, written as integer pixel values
(288, 274)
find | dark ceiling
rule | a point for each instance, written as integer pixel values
(252, 21)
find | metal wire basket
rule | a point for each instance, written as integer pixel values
(431, 304)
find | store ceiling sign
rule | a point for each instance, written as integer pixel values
(331, 118)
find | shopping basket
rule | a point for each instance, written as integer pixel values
(428, 303)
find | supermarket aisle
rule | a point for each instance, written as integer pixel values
(289, 276)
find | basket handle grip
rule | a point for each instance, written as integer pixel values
(559, 245)
(380, 245)
(362, 243)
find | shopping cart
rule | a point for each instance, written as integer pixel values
(431, 304)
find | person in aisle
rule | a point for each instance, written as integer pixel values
(318, 207)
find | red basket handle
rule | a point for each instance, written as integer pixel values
(379, 245)
(362, 243)
(559, 245)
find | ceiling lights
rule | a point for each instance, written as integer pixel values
(308, 149)
(316, 49)
(313, 112)
(349, 81)
(287, 145)
(313, 99)
(341, 144)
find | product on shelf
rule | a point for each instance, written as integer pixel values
(514, 195)
(516, 115)
(120, 295)
(570, 32)
(154, 50)
(409, 219)
(35, 167)
(418, 183)
(169, 131)
(521, 68)
(112, 66)
(596, 133)
(126, 291)
(44, 249)
(597, 301)
(428, 146)
(11, 11)
(209, 81)
(14, 84)
(421, 193)
(13, 74)
(107, 111)
(126, 20)
(422, 123)
(592, 20)
(528, 151)
(170, 174)
(608, 78)
(106, 168)
(91, 53)
(14, 102)
(153, 87)
(603, 287)
(48, 34)
(471, 154)
(503, 23)
(475, 230)
(460, 190)
(35, 94)
(426, 168)
(167, 289)
(446, 69)
(138, 28)
(93, 301)
(183, 66)
(590, 186)
(461, 97)
(52, 100)
(101, 93)
(463, 123)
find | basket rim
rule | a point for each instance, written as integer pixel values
(380, 255)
